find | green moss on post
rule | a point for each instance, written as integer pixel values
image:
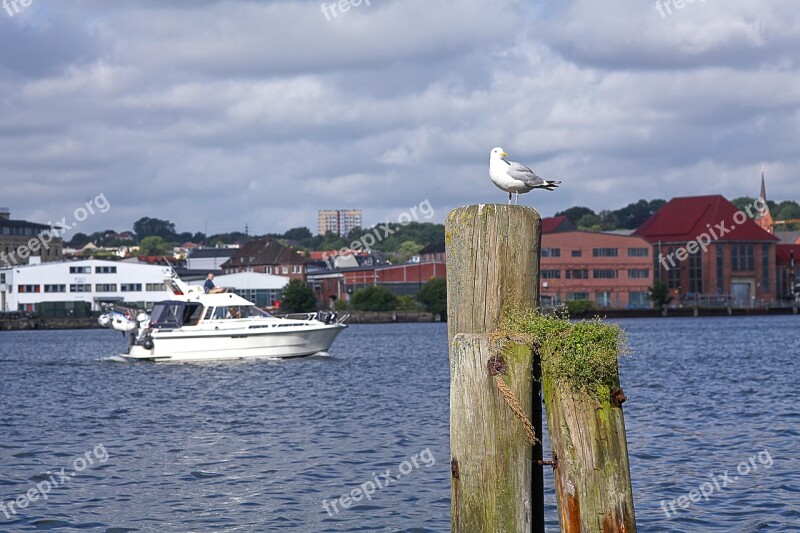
(580, 380)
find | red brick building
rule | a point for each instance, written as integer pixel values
(405, 279)
(269, 257)
(708, 251)
(787, 259)
(611, 269)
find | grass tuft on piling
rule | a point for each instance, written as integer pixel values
(581, 354)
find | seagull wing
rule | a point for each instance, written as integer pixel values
(524, 174)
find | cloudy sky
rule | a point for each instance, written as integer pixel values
(213, 114)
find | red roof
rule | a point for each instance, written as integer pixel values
(684, 219)
(783, 254)
(554, 224)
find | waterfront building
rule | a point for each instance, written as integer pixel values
(610, 269)
(23, 242)
(787, 263)
(403, 280)
(62, 284)
(338, 221)
(736, 265)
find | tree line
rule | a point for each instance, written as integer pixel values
(157, 236)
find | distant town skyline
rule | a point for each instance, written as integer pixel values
(384, 106)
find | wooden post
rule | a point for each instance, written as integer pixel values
(492, 258)
(593, 481)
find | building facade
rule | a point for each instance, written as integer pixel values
(734, 265)
(403, 280)
(267, 256)
(338, 221)
(264, 290)
(610, 269)
(60, 284)
(20, 241)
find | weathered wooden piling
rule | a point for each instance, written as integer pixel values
(502, 354)
(492, 260)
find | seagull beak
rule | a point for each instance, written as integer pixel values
(504, 154)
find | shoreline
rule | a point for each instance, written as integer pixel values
(405, 317)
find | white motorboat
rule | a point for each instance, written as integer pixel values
(195, 326)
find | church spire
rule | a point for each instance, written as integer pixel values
(764, 218)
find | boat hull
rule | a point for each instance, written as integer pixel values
(215, 345)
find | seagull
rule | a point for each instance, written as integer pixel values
(514, 177)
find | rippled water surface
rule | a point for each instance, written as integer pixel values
(261, 446)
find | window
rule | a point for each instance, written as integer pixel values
(674, 272)
(638, 299)
(297, 269)
(105, 287)
(577, 296)
(696, 272)
(551, 252)
(638, 273)
(2, 279)
(268, 270)
(604, 252)
(55, 288)
(765, 267)
(29, 288)
(604, 274)
(155, 287)
(577, 253)
(551, 274)
(720, 270)
(638, 252)
(577, 274)
(80, 270)
(80, 287)
(105, 270)
(742, 257)
(285, 269)
(130, 287)
(603, 299)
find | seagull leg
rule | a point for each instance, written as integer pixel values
(509, 198)
(516, 200)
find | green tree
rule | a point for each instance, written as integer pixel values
(297, 297)
(297, 234)
(154, 246)
(433, 295)
(659, 294)
(575, 213)
(148, 227)
(374, 298)
(407, 250)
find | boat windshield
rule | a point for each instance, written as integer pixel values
(167, 315)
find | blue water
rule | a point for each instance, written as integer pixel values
(262, 446)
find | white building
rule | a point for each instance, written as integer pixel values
(208, 259)
(261, 289)
(94, 281)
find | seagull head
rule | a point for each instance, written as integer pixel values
(497, 153)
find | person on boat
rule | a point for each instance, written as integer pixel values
(209, 286)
